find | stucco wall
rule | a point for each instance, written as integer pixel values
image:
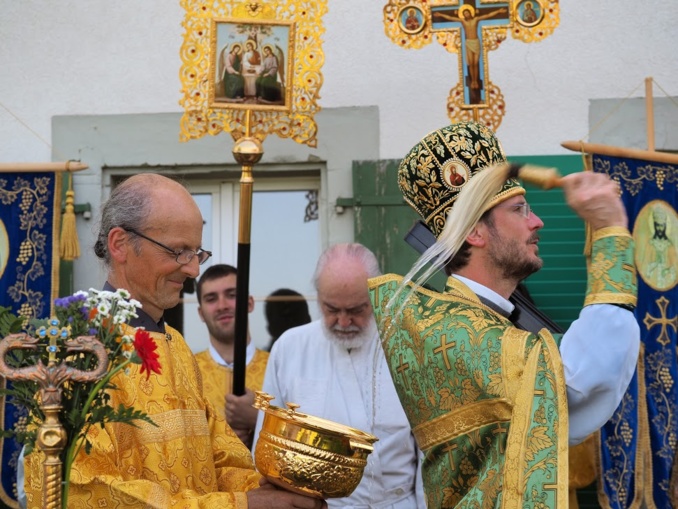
(98, 57)
(117, 145)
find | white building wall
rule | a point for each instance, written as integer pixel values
(98, 81)
(99, 57)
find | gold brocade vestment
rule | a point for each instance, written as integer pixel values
(191, 460)
(217, 380)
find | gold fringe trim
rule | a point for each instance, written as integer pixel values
(627, 299)
(610, 231)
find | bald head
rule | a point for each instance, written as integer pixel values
(341, 281)
(138, 202)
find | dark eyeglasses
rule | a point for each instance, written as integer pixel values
(523, 209)
(183, 257)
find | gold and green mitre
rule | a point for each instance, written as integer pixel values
(486, 401)
(437, 168)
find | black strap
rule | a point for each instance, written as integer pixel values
(493, 306)
(526, 316)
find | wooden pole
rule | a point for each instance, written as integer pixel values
(35, 167)
(632, 153)
(649, 109)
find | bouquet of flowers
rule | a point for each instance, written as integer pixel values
(99, 314)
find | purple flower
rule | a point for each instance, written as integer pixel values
(64, 302)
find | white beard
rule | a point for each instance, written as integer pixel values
(352, 337)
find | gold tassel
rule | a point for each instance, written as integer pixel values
(69, 244)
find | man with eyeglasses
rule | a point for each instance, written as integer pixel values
(493, 407)
(150, 240)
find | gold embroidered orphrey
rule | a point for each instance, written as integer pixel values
(268, 39)
(470, 28)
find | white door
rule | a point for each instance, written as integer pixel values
(283, 251)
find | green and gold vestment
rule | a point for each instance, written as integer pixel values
(487, 401)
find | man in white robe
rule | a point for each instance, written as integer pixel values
(334, 368)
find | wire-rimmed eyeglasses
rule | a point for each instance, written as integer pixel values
(183, 257)
(523, 209)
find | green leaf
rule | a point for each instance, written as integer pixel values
(9, 322)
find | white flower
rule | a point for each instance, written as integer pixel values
(104, 308)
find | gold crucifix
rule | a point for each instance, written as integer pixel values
(470, 28)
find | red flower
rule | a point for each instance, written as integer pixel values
(146, 351)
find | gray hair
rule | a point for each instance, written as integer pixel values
(355, 251)
(128, 207)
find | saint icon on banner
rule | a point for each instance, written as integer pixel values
(657, 257)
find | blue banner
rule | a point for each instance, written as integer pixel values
(639, 443)
(30, 211)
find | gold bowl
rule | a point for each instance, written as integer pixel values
(307, 454)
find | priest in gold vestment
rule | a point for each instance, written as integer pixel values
(150, 240)
(216, 306)
(494, 408)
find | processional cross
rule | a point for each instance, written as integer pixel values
(470, 28)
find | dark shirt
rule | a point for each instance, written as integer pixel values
(143, 320)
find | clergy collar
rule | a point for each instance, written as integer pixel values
(489, 297)
(249, 355)
(143, 320)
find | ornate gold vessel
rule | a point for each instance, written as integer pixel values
(307, 454)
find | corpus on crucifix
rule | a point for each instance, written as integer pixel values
(468, 19)
(470, 28)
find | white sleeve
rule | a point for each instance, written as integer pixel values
(599, 353)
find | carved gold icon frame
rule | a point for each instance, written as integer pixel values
(285, 104)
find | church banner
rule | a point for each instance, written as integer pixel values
(30, 212)
(638, 445)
